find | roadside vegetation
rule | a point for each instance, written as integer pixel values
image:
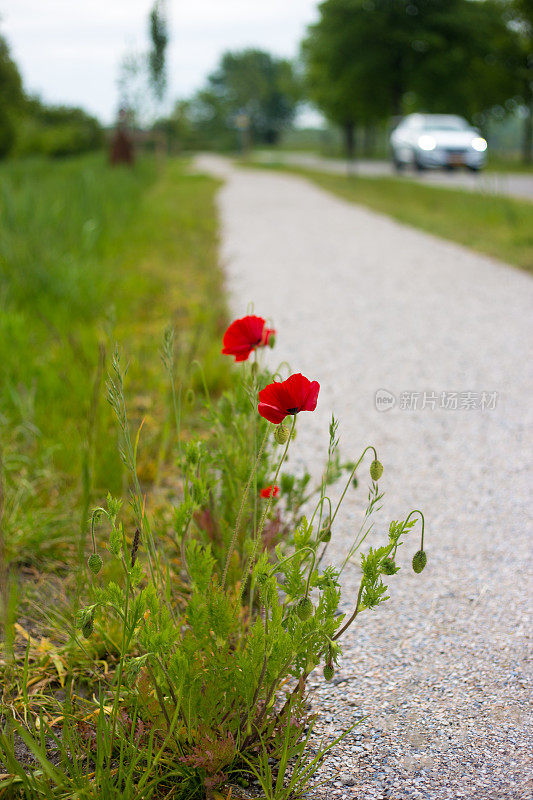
(163, 597)
(88, 256)
(176, 663)
(496, 225)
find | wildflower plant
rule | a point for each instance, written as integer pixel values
(212, 659)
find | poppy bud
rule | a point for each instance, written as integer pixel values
(376, 470)
(281, 434)
(329, 672)
(388, 566)
(94, 562)
(304, 609)
(325, 534)
(419, 561)
(271, 341)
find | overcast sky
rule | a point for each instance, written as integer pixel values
(69, 51)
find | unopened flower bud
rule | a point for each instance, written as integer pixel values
(388, 566)
(419, 561)
(325, 534)
(271, 340)
(376, 470)
(304, 609)
(281, 434)
(329, 672)
(94, 562)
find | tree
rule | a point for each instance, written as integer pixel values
(367, 60)
(12, 99)
(470, 60)
(156, 57)
(255, 84)
(520, 16)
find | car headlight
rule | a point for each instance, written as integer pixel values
(479, 144)
(427, 143)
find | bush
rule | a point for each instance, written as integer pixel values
(57, 131)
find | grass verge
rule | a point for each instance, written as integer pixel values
(497, 226)
(91, 255)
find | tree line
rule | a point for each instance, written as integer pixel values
(365, 62)
(28, 126)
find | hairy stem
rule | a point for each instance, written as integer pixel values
(243, 503)
(264, 517)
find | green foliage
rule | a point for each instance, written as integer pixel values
(156, 57)
(12, 99)
(56, 131)
(366, 61)
(249, 84)
(29, 127)
(203, 667)
(199, 630)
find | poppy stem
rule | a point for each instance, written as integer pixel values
(355, 613)
(352, 473)
(285, 560)
(265, 513)
(416, 511)
(243, 502)
(96, 512)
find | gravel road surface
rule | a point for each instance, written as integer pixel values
(507, 183)
(362, 303)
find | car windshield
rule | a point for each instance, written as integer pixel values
(445, 124)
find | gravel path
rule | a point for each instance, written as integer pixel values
(362, 303)
(515, 184)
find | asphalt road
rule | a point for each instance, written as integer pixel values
(507, 183)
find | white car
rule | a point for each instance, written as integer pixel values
(437, 140)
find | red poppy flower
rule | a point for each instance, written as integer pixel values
(270, 490)
(244, 335)
(295, 394)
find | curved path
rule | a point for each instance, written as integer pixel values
(362, 303)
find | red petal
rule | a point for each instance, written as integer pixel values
(302, 392)
(271, 413)
(270, 490)
(312, 397)
(253, 328)
(242, 336)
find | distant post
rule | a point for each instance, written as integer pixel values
(242, 122)
(121, 150)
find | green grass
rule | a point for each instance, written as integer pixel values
(90, 256)
(497, 163)
(498, 226)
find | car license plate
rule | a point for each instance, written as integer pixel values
(456, 159)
